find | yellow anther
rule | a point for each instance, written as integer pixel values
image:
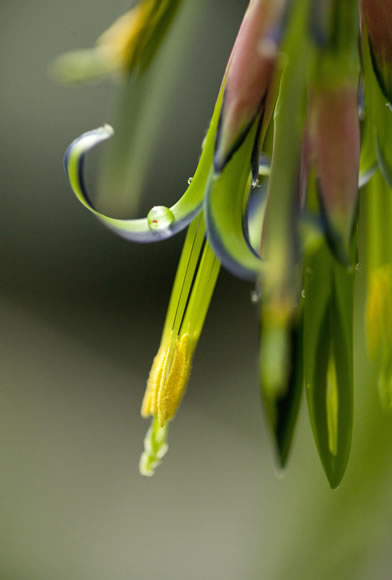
(173, 387)
(168, 378)
(157, 375)
(153, 382)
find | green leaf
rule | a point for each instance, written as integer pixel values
(328, 359)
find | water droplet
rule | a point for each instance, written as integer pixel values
(357, 267)
(160, 218)
(255, 296)
(190, 180)
(303, 294)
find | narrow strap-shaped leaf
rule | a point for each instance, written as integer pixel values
(162, 222)
(328, 359)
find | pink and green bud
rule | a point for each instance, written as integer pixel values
(335, 140)
(376, 16)
(249, 73)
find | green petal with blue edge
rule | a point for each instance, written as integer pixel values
(224, 208)
(161, 222)
(254, 214)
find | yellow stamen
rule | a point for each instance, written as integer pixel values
(172, 389)
(193, 287)
(168, 378)
(153, 383)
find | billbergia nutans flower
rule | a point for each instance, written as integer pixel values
(296, 150)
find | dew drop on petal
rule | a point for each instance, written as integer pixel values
(160, 218)
(254, 296)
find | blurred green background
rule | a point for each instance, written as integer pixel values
(81, 316)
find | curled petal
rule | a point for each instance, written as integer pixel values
(161, 222)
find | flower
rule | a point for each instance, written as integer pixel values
(301, 124)
(129, 45)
